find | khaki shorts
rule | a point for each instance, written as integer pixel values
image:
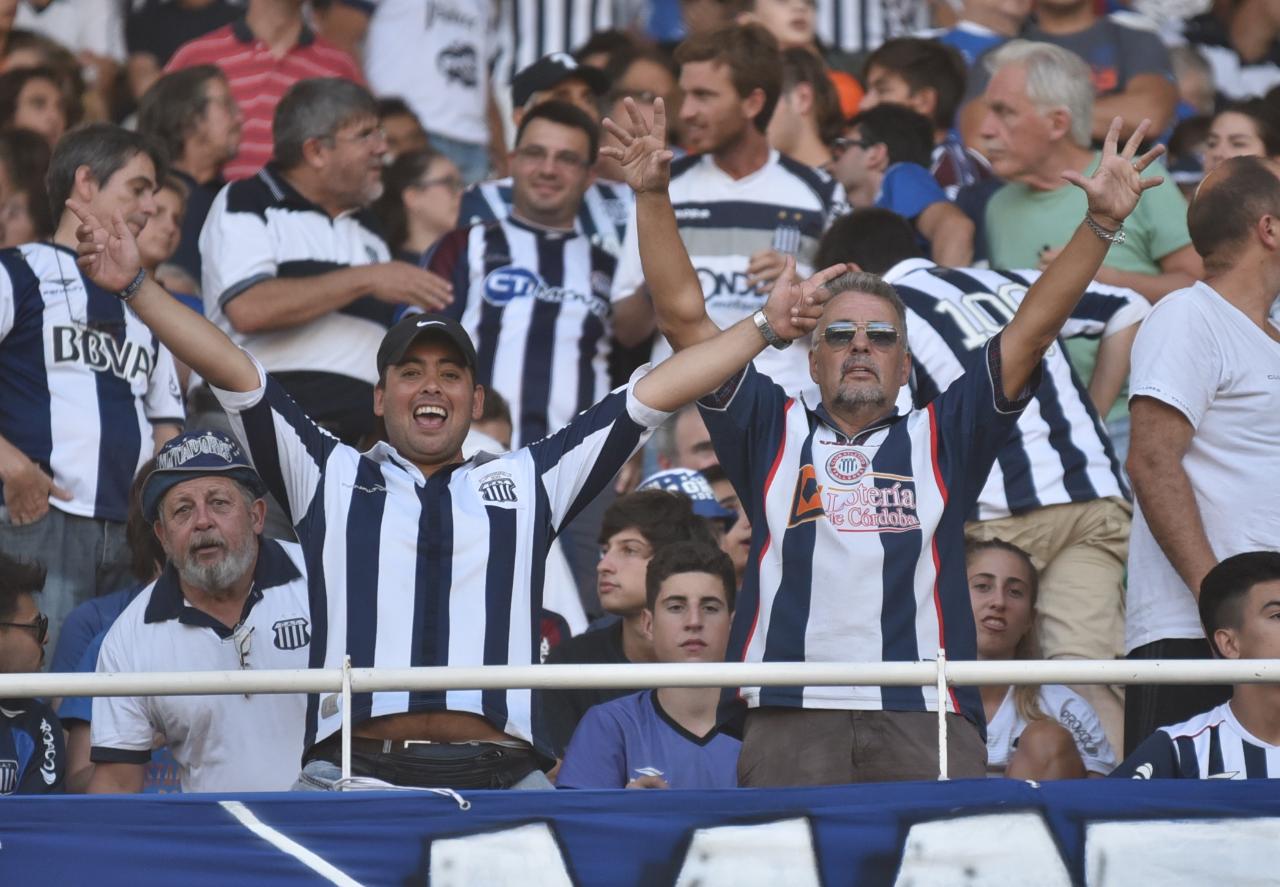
(801, 746)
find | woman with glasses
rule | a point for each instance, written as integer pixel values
(422, 191)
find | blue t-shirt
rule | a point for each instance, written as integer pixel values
(630, 737)
(908, 189)
(86, 622)
(971, 43)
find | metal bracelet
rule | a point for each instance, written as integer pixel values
(1115, 237)
(132, 289)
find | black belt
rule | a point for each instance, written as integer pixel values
(456, 765)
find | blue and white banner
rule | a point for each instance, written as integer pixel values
(1100, 833)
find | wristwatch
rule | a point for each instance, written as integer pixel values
(762, 324)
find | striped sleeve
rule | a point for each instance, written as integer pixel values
(236, 245)
(1155, 758)
(1101, 311)
(746, 418)
(288, 450)
(578, 461)
(163, 402)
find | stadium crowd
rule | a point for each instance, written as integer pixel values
(520, 331)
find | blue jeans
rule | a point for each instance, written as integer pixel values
(471, 159)
(320, 776)
(83, 558)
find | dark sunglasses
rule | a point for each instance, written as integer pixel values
(839, 334)
(40, 627)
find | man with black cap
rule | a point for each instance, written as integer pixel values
(602, 214)
(417, 557)
(227, 599)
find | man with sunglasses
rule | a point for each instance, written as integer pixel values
(227, 599)
(857, 510)
(33, 757)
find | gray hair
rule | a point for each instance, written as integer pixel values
(1056, 78)
(872, 285)
(316, 109)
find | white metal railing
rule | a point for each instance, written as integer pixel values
(940, 673)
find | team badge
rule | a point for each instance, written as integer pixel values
(847, 466)
(8, 777)
(806, 505)
(498, 487)
(292, 634)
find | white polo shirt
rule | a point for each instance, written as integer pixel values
(225, 743)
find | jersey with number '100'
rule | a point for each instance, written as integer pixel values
(447, 569)
(1059, 452)
(857, 543)
(536, 304)
(82, 380)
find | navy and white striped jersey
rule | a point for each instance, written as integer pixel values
(859, 26)
(1213, 745)
(407, 570)
(857, 546)
(261, 229)
(536, 304)
(603, 215)
(784, 206)
(82, 380)
(1060, 451)
(530, 29)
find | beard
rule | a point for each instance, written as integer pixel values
(860, 397)
(217, 579)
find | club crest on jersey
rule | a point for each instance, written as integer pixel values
(292, 634)
(806, 504)
(499, 488)
(8, 777)
(501, 285)
(847, 466)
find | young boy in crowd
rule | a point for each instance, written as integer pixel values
(667, 738)
(1240, 739)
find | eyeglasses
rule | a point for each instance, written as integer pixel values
(244, 641)
(454, 184)
(40, 628)
(839, 334)
(842, 144)
(536, 155)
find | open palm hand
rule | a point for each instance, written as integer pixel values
(642, 151)
(1116, 185)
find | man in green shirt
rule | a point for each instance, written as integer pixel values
(1039, 108)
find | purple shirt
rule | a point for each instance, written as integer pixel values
(630, 737)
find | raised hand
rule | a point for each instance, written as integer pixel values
(642, 150)
(1116, 185)
(793, 308)
(109, 258)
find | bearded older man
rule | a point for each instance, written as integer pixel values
(223, 583)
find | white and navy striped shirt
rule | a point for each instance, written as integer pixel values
(530, 29)
(261, 229)
(1060, 451)
(602, 217)
(82, 380)
(1213, 745)
(859, 26)
(784, 206)
(408, 570)
(536, 304)
(857, 544)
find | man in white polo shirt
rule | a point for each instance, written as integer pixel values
(227, 599)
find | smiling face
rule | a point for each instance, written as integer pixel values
(159, 239)
(713, 117)
(210, 532)
(130, 190)
(429, 400)
(1000, 589)
(690, 620)
(864, 374)
(624, 560)
(550, 171)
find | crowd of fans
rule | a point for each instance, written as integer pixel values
(340, 329)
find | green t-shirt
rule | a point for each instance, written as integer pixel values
(1021, 222)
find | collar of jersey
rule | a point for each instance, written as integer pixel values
(905, 267)
(290, 198)
(863, 433)
(382, 452)
(544, 232)
(274, 567)
(240, 28)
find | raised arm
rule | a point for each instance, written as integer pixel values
(1113, 192)
(110, 259)
(678, 302)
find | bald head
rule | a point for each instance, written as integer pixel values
(1228, 205)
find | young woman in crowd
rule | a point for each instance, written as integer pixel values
(1250, 128)
(422, 191)
(32, 98)
(25, 215)
(1033, 732)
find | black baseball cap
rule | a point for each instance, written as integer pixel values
(551, 69)
(398, 339)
